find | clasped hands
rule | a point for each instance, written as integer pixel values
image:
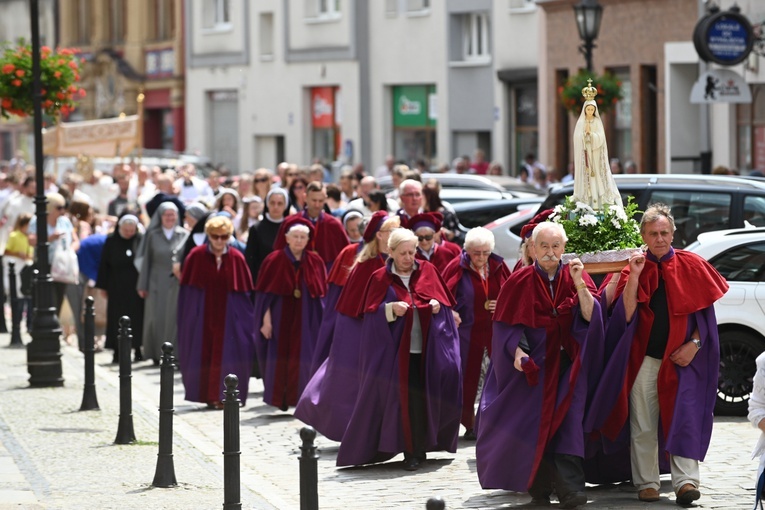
(400, 307)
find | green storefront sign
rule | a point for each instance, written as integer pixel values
(411, 106)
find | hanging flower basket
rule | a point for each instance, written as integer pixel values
(59, 74)
(608, 86)
(602, 240)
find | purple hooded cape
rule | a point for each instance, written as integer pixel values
(204, 357)
(691, 427)
(328, 400)
(298, 364)
(327, 328)
(510, 412)
(375, 432)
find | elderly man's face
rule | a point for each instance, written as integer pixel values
(658, 236)
(425, 238)
(411, 199)
(297, 241)
(549, 248)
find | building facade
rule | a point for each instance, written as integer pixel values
(130, 47)
(354, 81)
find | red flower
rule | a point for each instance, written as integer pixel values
(72, 88)
(73, 64)
(60, 95)
(8, 68)
(16, 83)
(20, 73)
(60, 62)
(47, 103)
(6, 103)
(82, 93)
(57, 74)
(45, 50)
(65, 51)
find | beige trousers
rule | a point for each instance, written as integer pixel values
(644, 439)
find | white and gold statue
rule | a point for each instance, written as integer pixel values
(593, 183)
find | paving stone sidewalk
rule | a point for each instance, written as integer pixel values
(56, 457)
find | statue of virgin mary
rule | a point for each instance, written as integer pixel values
(593, 183)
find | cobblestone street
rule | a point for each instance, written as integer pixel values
(53, 456)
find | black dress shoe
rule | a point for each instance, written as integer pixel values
(573, 499)
(469, 435)
(138, 355)
(411, 463)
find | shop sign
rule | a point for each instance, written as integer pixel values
(724, 37)
(720, 86)
(323, 107)
(411, 106)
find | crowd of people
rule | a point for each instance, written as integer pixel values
(371, 315)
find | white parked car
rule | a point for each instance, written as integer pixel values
(739, 255)
(507, 233)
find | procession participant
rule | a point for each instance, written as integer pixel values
(532, 405)
(526, 256)
(409, 392)
(215, 300)
(352, 221)
(117, 279)
(262, 235)
(329, 237)
(662, 374)
(474, 280)
(329, 397)
(288, 310)
(426, 226)
(157, 284)
(411, 199)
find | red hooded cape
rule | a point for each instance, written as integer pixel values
(351, 301)
(678, 271)
(440, 258)
(425, 284)
(328, 238)
(341, 269)
(278, 275)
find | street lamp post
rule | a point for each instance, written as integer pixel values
(43, 352)
(588, 15)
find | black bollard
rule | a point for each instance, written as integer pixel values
(15, 307)
(125, 433)
(309, 470)
(89, 400)
(435, 504)
(3, 327)
(231, 452)
(164, 476)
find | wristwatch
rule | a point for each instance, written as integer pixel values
(697, 342)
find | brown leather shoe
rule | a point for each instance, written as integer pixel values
(648, 495)
(687, 494)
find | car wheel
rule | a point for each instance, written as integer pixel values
(738, 354)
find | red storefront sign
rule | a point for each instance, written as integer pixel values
(323, 107)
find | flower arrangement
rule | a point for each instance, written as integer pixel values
(608, 86)
(588, 231)
(59, 74)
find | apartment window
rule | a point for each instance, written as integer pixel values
(417, 5)
(266, 35)
(750, 141)
(82, 22)
(161, 20)
(217, 15)
(329, 8)
(622, 120)
(475, 36)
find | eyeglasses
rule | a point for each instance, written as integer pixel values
(413, 195)
(428, 237)
(264, 179)
(219, 237)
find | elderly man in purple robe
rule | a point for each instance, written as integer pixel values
(529, 425)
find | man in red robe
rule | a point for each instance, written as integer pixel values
(661, 378)
(426, 227)
(329, 236)
(529, 428)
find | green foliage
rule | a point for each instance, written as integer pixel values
(608, 86)
(588, 231)
(59, 73)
